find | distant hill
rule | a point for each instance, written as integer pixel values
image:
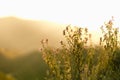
(25, 35)
(28, 67)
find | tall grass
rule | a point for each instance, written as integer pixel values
(78, 59)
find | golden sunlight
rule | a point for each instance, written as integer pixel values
(36, 42)
(86, 13)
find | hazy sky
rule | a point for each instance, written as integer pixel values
(91, 13)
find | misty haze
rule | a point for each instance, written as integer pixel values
(59, 40)
(25, 35)
(20, 41)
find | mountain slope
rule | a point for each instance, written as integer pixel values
(28, 67)
(25, 35)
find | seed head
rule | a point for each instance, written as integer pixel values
(86, 39)
(63, 32)
(86, 30)
(110, 22)
(80, 30)
(67, 28)
(61, 42)
(47, 41)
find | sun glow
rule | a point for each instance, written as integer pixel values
(91, 13)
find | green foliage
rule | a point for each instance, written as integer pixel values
(80, 60)
(6, 77)
(111, 47)
(28, 67)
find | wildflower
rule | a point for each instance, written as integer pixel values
(47, 41)
(110, 22)
(86, 30)
(63, 32)
(86, 39)
(71, 30)
(80, 30)
(70, 36)
(67, 28)
(40, 49)
(116, 31)
(61, 42)
(105, 46)
(100, 40)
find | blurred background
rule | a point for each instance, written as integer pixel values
(24, 23)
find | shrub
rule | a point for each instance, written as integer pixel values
(80, 60)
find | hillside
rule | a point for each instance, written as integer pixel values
(25, 35)
(29, 67)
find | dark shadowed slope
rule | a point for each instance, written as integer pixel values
(28, 67)
(25, 35)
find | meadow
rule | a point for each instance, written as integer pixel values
(76, 59)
